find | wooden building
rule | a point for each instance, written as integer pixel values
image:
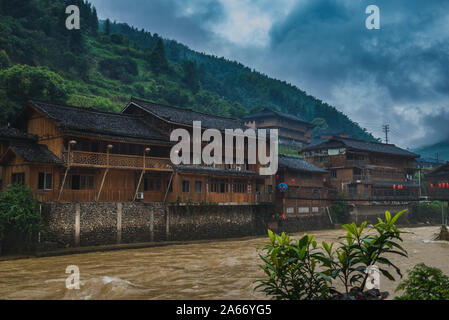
(437, 183)
(366, 170)
(308, 187)
(223, 183)
(292, 130)
(68, 153)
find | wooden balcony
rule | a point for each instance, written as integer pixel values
(117, 161)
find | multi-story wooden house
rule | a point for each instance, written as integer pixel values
(292, 130)
(307, 187)
(437, 183)
(366, 170)
(69, 153)
(231, 183)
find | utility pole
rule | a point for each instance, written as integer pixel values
(386, 129)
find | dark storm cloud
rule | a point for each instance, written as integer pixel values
(399, 71)
(186, 21)
(397, 75)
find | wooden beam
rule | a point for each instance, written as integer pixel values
(63, 183)
(138, 184)
(168, 187)
(102, 184)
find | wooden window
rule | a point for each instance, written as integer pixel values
(80, 182)
(334, 173)
(303, 209)
(185, 186)
(45, 181)
(152, 184)
(18, 178)
(240, 186)
(198, 186)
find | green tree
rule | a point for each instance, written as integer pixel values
(191, 76)
(107, 27)
(5, 62)
(21, 82)
(320, 124)
(424, 283)
(20, 214)
(158, 61)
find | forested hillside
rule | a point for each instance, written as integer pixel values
(103, 64)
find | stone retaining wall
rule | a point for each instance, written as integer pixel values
(93, 223)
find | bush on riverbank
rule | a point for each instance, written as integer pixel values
(303, 270)
(20, 219)
(424, 283)
(424, 212)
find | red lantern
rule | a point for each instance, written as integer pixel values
(293, 180)
(283, 216)
(431, 186)
(439, 185)
(447, 185)
(394, 186)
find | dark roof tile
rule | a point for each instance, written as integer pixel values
(363, 146)
(269, 112)
(299, 164)
(13, 133)
(89, 120)
(187, 116)
(33, 152)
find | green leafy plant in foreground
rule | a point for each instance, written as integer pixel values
(424, 283)
(302, 269)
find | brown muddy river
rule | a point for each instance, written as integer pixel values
(215, 270)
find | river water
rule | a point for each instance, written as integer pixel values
(213, 270)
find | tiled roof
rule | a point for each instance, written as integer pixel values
(363, 146)
(299, 164)
(33, 152)
(13, 133)
(214, 171)
(442, 171)
(89, 120)
(187, 116)
(270, 112)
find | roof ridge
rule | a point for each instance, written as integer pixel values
(88, 109)
(376, 142)
(183, 109)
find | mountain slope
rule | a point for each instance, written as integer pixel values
(442, 149)
(43, 60)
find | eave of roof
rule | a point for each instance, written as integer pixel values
(367, 146)
(267, 111)
(185, 117)
(71, 118)
(214, 171)
(33, 153)
(299, 164)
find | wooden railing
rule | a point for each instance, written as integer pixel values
(103, 160)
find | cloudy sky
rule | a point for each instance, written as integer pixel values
(397, 75)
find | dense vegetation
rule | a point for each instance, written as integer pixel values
(304, 270)
(102, 69)
(424, 283)
(20, 218)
